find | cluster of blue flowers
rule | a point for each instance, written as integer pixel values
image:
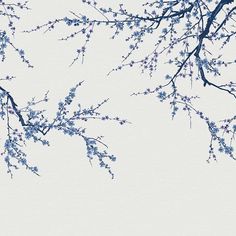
(218, 140)
(33, 124)
(4, 40)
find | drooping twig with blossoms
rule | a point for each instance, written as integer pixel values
(9, 14)
(32, 124)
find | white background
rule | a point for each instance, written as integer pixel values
(163, 184)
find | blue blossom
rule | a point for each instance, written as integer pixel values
(234, 128)
(164, 30)
(162, 96)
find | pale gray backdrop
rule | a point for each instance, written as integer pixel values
(163, 184)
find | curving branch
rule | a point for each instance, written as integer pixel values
(34, 124)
